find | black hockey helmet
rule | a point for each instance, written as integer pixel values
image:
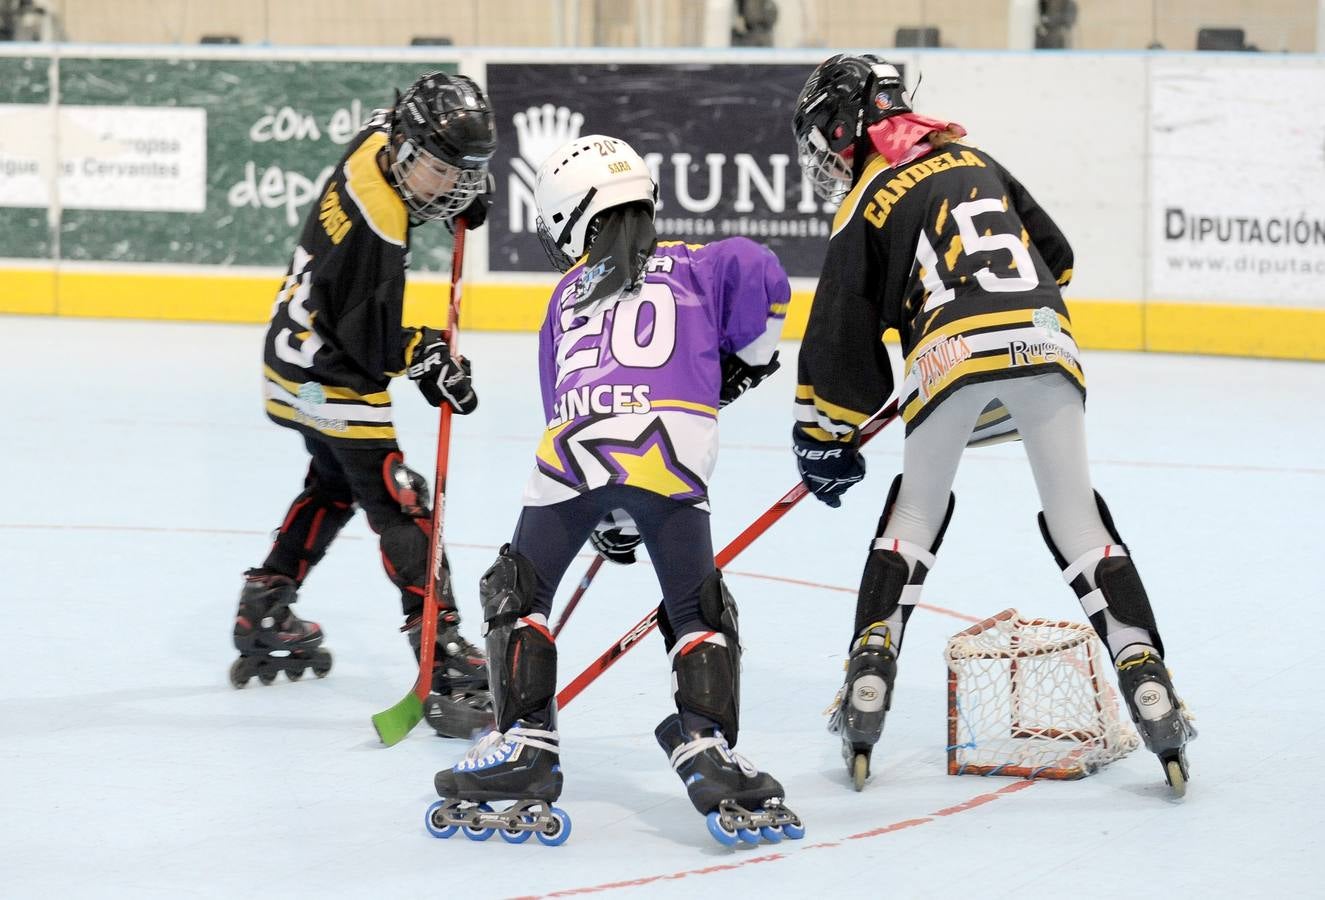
(442, 123)
(843, 97)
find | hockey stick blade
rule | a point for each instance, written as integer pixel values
(868, 429)
(395, 723)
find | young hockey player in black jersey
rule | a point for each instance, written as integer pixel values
(334, 344)
(935, 239)
(643, 342)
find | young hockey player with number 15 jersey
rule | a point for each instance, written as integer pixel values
(936, 239)
(642, 344)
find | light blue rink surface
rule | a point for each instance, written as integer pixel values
(140, 478)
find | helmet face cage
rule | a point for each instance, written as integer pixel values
(842, 97)
(582, 178)
(444, 133)
(458, 186)
(560, 259)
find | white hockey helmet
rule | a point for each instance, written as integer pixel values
(581, 179)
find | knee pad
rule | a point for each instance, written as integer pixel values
(706, 667)
(895, 571)
(522, 656)
(406, 487)
(312, 523)
(1114, 586)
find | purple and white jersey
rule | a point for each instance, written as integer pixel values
(630, 388)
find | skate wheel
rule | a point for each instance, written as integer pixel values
(239, 674)
(560, 829)
(1176, 777)
(516, 835)
(770, 834)
(723, 834)
(793, 830)
(860, 770)
(321, 668)
(268, 677)
(436, 823)
(479, 832)
(294, 674)
(749, 835)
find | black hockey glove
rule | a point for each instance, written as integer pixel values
(827, 468)
(476, 213)
(616, 538)
(738, 376)
(442, 378)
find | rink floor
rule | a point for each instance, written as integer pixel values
(139, 478)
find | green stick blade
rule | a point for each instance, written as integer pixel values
(393, 724)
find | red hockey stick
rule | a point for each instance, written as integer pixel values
(579, 592)
(393, 724)
(870, 427)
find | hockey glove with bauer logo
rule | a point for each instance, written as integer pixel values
(738, 376)
(441, 377)
(616, 537)
(827, 468)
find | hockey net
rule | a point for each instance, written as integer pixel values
(1029, 698)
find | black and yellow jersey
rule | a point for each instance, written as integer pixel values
(335, 338)
(952, 252)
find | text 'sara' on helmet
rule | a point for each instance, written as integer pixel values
(444, 124)
(842, 98)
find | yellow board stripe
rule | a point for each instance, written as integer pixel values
(1097, 324)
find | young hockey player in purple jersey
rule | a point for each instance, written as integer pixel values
(643, 342)
(334, 344)
(936, 239)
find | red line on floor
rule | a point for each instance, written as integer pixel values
(149, 529)
(973, 803)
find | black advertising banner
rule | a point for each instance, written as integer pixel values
(717, 137)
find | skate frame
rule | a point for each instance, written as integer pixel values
(393, 724)
(870, 427)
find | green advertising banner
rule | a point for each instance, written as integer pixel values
(185, 161)
(24, 90)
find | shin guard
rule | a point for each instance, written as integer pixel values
(522, 658)
(706, 665)
(311, 524)
(1109, 587)
(894, 573)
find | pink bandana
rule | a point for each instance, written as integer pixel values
(896, 137)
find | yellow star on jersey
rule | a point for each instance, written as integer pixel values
(648, 469)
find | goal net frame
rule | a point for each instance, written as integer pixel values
(997, 720)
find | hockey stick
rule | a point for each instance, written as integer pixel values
(393, 724)
(579, 592)
(870, 427)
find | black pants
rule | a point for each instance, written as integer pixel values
(677, 535)
(339, 478)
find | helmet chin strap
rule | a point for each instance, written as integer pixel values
(575, 215)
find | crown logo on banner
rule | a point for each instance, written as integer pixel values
(541, 129)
